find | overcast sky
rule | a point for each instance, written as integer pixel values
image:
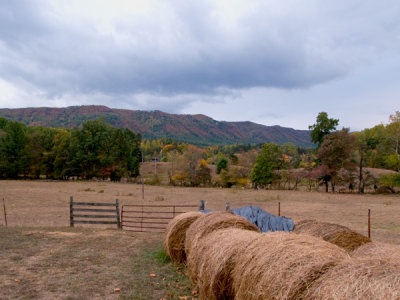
(271, 62)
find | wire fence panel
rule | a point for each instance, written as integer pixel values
(150, 218)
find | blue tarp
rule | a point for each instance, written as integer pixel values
(264, 220)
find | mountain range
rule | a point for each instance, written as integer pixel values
(195, 129)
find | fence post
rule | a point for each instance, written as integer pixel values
(118, 217)
(279, 209)
(202, 205)
(141, 220)
(122, 217)
(369, 223)
(5, 213)
(142, 180)
(71, 218)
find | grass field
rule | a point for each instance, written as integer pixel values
(42, 257)
(64, 263)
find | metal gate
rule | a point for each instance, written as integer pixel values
(150, 218)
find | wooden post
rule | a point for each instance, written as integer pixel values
(141, 178)
(173, 211)
(202, 205)
(5, 212)
(118, 217)
(71, 218)
(142, 187)
(279, 209)
(369, 223)
(122, 216)
(141, 220)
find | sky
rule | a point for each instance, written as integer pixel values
(271, 62)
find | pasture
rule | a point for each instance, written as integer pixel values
(42, 257)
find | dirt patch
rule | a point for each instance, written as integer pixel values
(82, 263)
(52, 233)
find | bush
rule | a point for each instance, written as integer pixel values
(390, 180)
(154, 180)
(222, 164)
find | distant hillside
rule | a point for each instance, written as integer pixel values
(195, 129)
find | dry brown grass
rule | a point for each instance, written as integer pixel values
(205, 225)
(334, 233)
(378, 250)
(175, 235)
(41, 203)
(359, 279)
(281, 265)
(215, 259)
(83, 263)
(46, 203)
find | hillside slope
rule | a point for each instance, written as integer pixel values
(195, 129)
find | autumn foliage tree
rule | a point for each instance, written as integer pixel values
(394, 130)
(335, 153)
(203, 173)
(393, 160)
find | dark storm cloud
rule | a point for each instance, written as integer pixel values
(60, 55)
(189, 49)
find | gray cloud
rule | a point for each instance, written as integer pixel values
(184, 53)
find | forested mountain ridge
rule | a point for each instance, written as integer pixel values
(195, 129)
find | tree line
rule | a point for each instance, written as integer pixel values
(96, 149)
(340, 158)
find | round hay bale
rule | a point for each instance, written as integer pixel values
(359, 278)
(175, 235)
(334, 233)
(282, 265)
(215, 258)
(206, 224)
(377, 250)
(300, 224)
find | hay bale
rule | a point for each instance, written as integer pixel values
(203, 226)
(215, 258)
(359, 278)
(317, 228)
(175, 235)
(281, 265)
(377, 250)
(299, 225)
(334, 233)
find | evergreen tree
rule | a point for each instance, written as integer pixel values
(222, 164)
(269, 160)
(14, 159)
(322, 127)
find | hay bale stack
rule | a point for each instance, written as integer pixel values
(175, 235)
(281, 265)
(206, 224)
(359, 278)
(336, 234)
(215, 258)
(377, 250)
